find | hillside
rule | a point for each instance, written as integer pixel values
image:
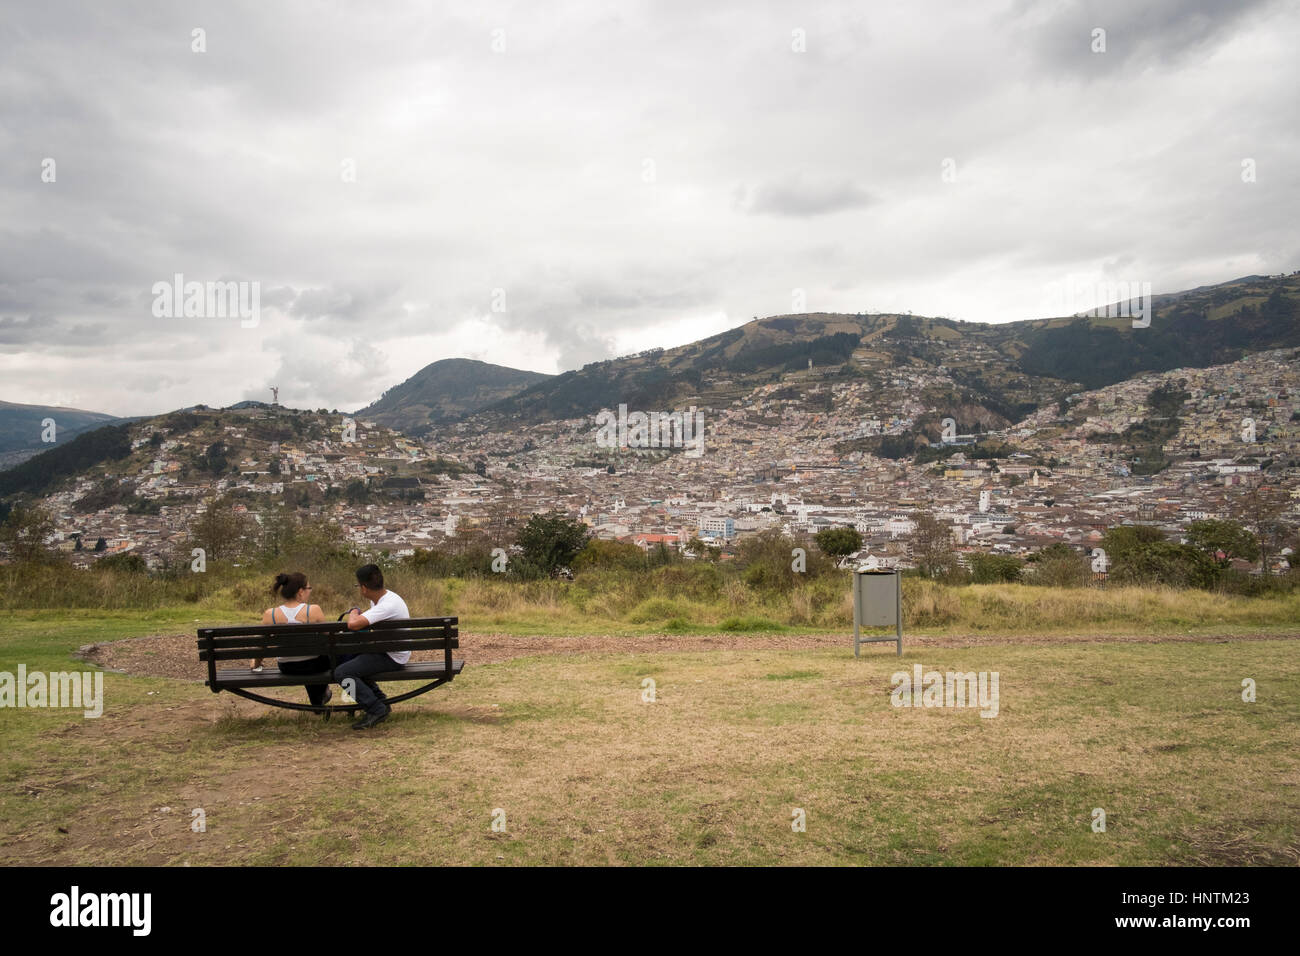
(447, 390)
(997, 374)
(21, 428)
(191, 452)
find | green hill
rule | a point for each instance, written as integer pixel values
(21, 428)
(444, 391)
(1003, 371)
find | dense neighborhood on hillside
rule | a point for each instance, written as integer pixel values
(777, 458)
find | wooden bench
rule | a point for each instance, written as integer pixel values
(331, 640)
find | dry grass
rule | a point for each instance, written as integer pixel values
(710, 772)
(680, 598)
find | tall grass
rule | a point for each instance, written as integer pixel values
(673, 598)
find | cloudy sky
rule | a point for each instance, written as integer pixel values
(546, 184)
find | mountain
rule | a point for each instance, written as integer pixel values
(447, 390)
(997, 373)
(22, 428)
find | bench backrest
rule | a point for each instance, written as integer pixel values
(330, 639)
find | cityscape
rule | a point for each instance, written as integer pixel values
(769, 461)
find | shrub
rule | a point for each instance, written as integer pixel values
(127, 563)
(599, 553)
(749, 624)
(1060, 566)
(992, 568)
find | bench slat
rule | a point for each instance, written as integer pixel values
(320, 640)
(287, 634)
(327, 627)
(306, 648)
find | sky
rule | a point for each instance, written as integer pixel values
(546, 184)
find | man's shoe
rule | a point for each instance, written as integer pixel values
(371, 719)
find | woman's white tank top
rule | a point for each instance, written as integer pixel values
(291, 617)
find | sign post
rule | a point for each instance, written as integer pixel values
(877, 602)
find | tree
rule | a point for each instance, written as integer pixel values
(1125, 540)
(24, 533)
(661, 555)
(1273, 536)
(1139, 554)
(214, 459)
(100, 546)
(220, 531)
(707, 552)
(550, 541)
(1226, 536)
(500, 521)
(768, 560)
(287, 535)
(1261, 507)
(932, 545)
(1164, 562)
(838, 542)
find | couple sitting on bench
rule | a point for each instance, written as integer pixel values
(354, 670)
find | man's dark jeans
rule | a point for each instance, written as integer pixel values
(365, 691)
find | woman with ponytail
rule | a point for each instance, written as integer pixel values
(297, 608)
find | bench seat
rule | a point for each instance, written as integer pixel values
(271, 676)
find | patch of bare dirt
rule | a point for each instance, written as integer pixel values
(176, 655)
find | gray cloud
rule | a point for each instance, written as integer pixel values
(797, 197)
(777, 165)
(1156, 33)
(16, 331)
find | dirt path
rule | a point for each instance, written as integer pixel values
(176, 655)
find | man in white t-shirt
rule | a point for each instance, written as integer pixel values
(385, 605)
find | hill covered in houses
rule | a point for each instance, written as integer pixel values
(878, 423)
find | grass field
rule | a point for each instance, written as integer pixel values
(1154, 733)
